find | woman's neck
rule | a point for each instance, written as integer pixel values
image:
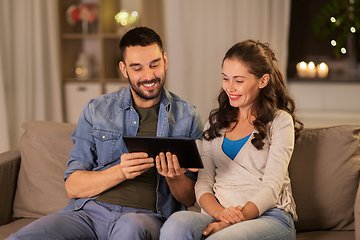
(242, 128)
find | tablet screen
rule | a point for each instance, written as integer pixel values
(184, 148)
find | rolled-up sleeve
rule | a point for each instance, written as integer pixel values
(83, 155)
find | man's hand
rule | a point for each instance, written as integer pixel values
(134, 164)
(231, 215)
(168, 165)
(181, 187)
(215, 227)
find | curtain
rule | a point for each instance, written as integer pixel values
(199, 32)
(30, 87)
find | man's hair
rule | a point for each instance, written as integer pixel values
(139, 36)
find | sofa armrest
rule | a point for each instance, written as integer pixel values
(9, 169)
(357, 215)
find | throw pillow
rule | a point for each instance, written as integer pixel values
(324, 172)
(44, 154)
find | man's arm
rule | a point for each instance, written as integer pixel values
(82, 184)
(181, 187)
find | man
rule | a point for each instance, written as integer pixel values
(115, 194)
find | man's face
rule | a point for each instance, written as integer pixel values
(145, 67)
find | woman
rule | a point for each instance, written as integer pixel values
(244, 189)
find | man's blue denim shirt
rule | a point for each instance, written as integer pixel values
(98, 142)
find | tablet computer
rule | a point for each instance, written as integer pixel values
(184, 148)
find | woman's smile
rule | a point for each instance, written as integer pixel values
(233, 97)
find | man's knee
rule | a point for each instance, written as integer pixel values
(137, 226)
(134, 222)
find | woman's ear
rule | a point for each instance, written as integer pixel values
(264, 80)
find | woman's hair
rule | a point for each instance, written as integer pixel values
(259, 60)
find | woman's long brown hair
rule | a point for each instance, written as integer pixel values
(259, 60)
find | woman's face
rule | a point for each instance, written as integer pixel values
(241, 86)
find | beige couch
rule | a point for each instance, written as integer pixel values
(324, 170)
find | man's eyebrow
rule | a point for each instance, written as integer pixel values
(134, 64)
(156, 60)
(138, 64)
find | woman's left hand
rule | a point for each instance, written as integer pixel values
(231, 215)
(215, 227)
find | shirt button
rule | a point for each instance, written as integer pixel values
(76, 207)
(103, 137)
(134, 122)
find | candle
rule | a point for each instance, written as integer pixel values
(322, 70)
(302, 69)
(311, 73)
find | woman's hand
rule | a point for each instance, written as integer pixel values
(215, 227)
(230, 215)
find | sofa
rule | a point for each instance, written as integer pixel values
(324, 171)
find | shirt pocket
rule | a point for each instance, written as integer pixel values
(180, 128)
(108, 145)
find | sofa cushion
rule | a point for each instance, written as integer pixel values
(324, 171)
(44, 154)
(326, 235)
(6, 230)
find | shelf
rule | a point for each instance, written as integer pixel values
(116, 80)
(81, 80)
(100, 46)
(326, 80)
(91, 35)
(95, 80)
(79, 35)
(111, 36)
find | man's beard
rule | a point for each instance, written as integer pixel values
(154, 93)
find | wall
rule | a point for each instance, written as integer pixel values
(329, 103)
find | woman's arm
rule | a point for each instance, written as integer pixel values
(211, 206)
(282, 139)
(250, 211)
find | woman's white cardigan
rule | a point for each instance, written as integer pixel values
(259, 176)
